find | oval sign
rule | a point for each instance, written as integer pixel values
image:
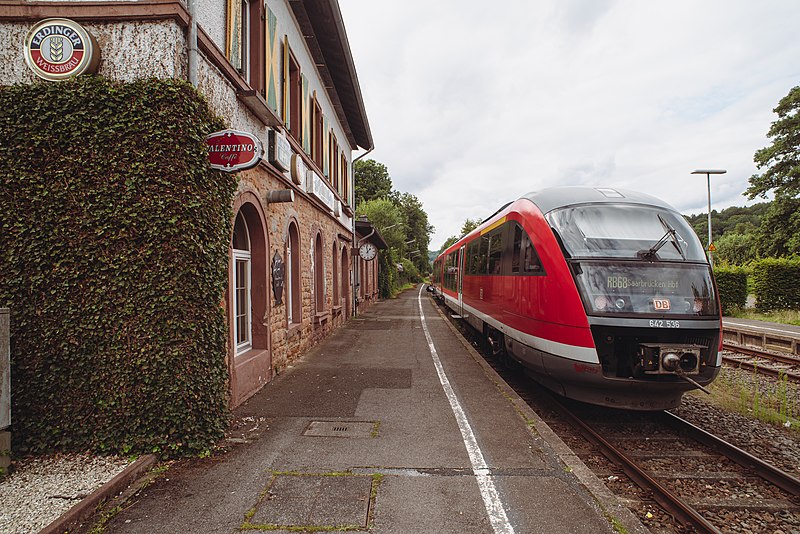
(56, 49)
(231, 150)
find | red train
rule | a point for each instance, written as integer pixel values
(603, 295)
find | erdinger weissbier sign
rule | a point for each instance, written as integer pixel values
(57, 49)
(232, 150)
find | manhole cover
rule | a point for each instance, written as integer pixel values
(342, 429)
(333, 501)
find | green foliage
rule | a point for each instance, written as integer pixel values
(779, 233)
(775, 284)
(410, 273)
(469, 225)
(735, 249)
(782, 158)
(732, 287)
(736, 219)
(372, 180)
(417, 230)
(113, 250)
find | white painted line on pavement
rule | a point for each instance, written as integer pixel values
(491, 498)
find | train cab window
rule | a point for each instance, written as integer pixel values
(524, 258)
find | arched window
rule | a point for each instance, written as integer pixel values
(335, 271)
(319, 275)
(242, 277)
(293, 299)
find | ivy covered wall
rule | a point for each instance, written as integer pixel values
(113, 259)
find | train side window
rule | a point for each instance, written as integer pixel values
(483, 253)
(496, 251)
(473, 254)
(524, 258)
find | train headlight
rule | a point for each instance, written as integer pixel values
(600, 302)
(619, 303)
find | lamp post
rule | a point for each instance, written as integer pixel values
(708, 173)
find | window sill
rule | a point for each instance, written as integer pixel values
(321, 317)
(337, 311)
(294, 328)
(247, 355)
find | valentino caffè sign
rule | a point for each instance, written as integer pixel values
(57, 49)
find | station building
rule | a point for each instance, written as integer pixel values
(281, 70)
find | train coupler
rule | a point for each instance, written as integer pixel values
(670, 358)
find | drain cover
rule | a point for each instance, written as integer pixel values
(342, 429)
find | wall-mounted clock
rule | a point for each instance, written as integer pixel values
(367, 251)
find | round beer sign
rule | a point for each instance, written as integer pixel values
(56, 49)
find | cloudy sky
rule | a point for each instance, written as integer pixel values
(473, 104)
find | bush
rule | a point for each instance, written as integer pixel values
(113, 250)
(732, 287)
(775, 284)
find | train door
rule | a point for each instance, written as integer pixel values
(461, 261)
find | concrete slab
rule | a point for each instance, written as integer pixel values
(327, 501)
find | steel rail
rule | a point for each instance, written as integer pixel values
(754, 351)
(780, 478)
(777, 373)
(682, 511)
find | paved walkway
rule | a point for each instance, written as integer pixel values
(391, 425)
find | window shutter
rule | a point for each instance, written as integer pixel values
(306, 113)
(287, 92)
(272, 66)
(326, 149)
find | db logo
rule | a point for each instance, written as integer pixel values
(56, 49)
(661, 304)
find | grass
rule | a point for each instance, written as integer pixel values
(777, 316)
(776, 402)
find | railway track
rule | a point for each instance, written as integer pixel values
(762, 361)
(706, 484)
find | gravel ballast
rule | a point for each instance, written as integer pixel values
(40, 489)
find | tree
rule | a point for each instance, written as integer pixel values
(779, 233)
(782, 158)
(418, 230)
(372, 180)
(469, 225)
(735, 249)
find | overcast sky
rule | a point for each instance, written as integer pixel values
(473, 104)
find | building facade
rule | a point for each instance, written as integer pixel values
(280, 70)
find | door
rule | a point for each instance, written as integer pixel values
(460, 283)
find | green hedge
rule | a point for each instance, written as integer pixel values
(114, 258)
(775, 284)
(732, 287)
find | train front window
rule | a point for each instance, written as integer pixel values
(634, 288)
(625, 231)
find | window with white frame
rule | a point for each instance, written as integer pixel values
(242, 286)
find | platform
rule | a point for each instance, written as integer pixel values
(391, 425)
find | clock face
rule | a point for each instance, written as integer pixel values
(367, 251)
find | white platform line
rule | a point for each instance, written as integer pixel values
(491, 498)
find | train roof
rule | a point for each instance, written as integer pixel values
(559, 197)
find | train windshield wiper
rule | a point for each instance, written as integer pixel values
(671, 234)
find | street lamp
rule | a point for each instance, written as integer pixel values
(708, 173)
